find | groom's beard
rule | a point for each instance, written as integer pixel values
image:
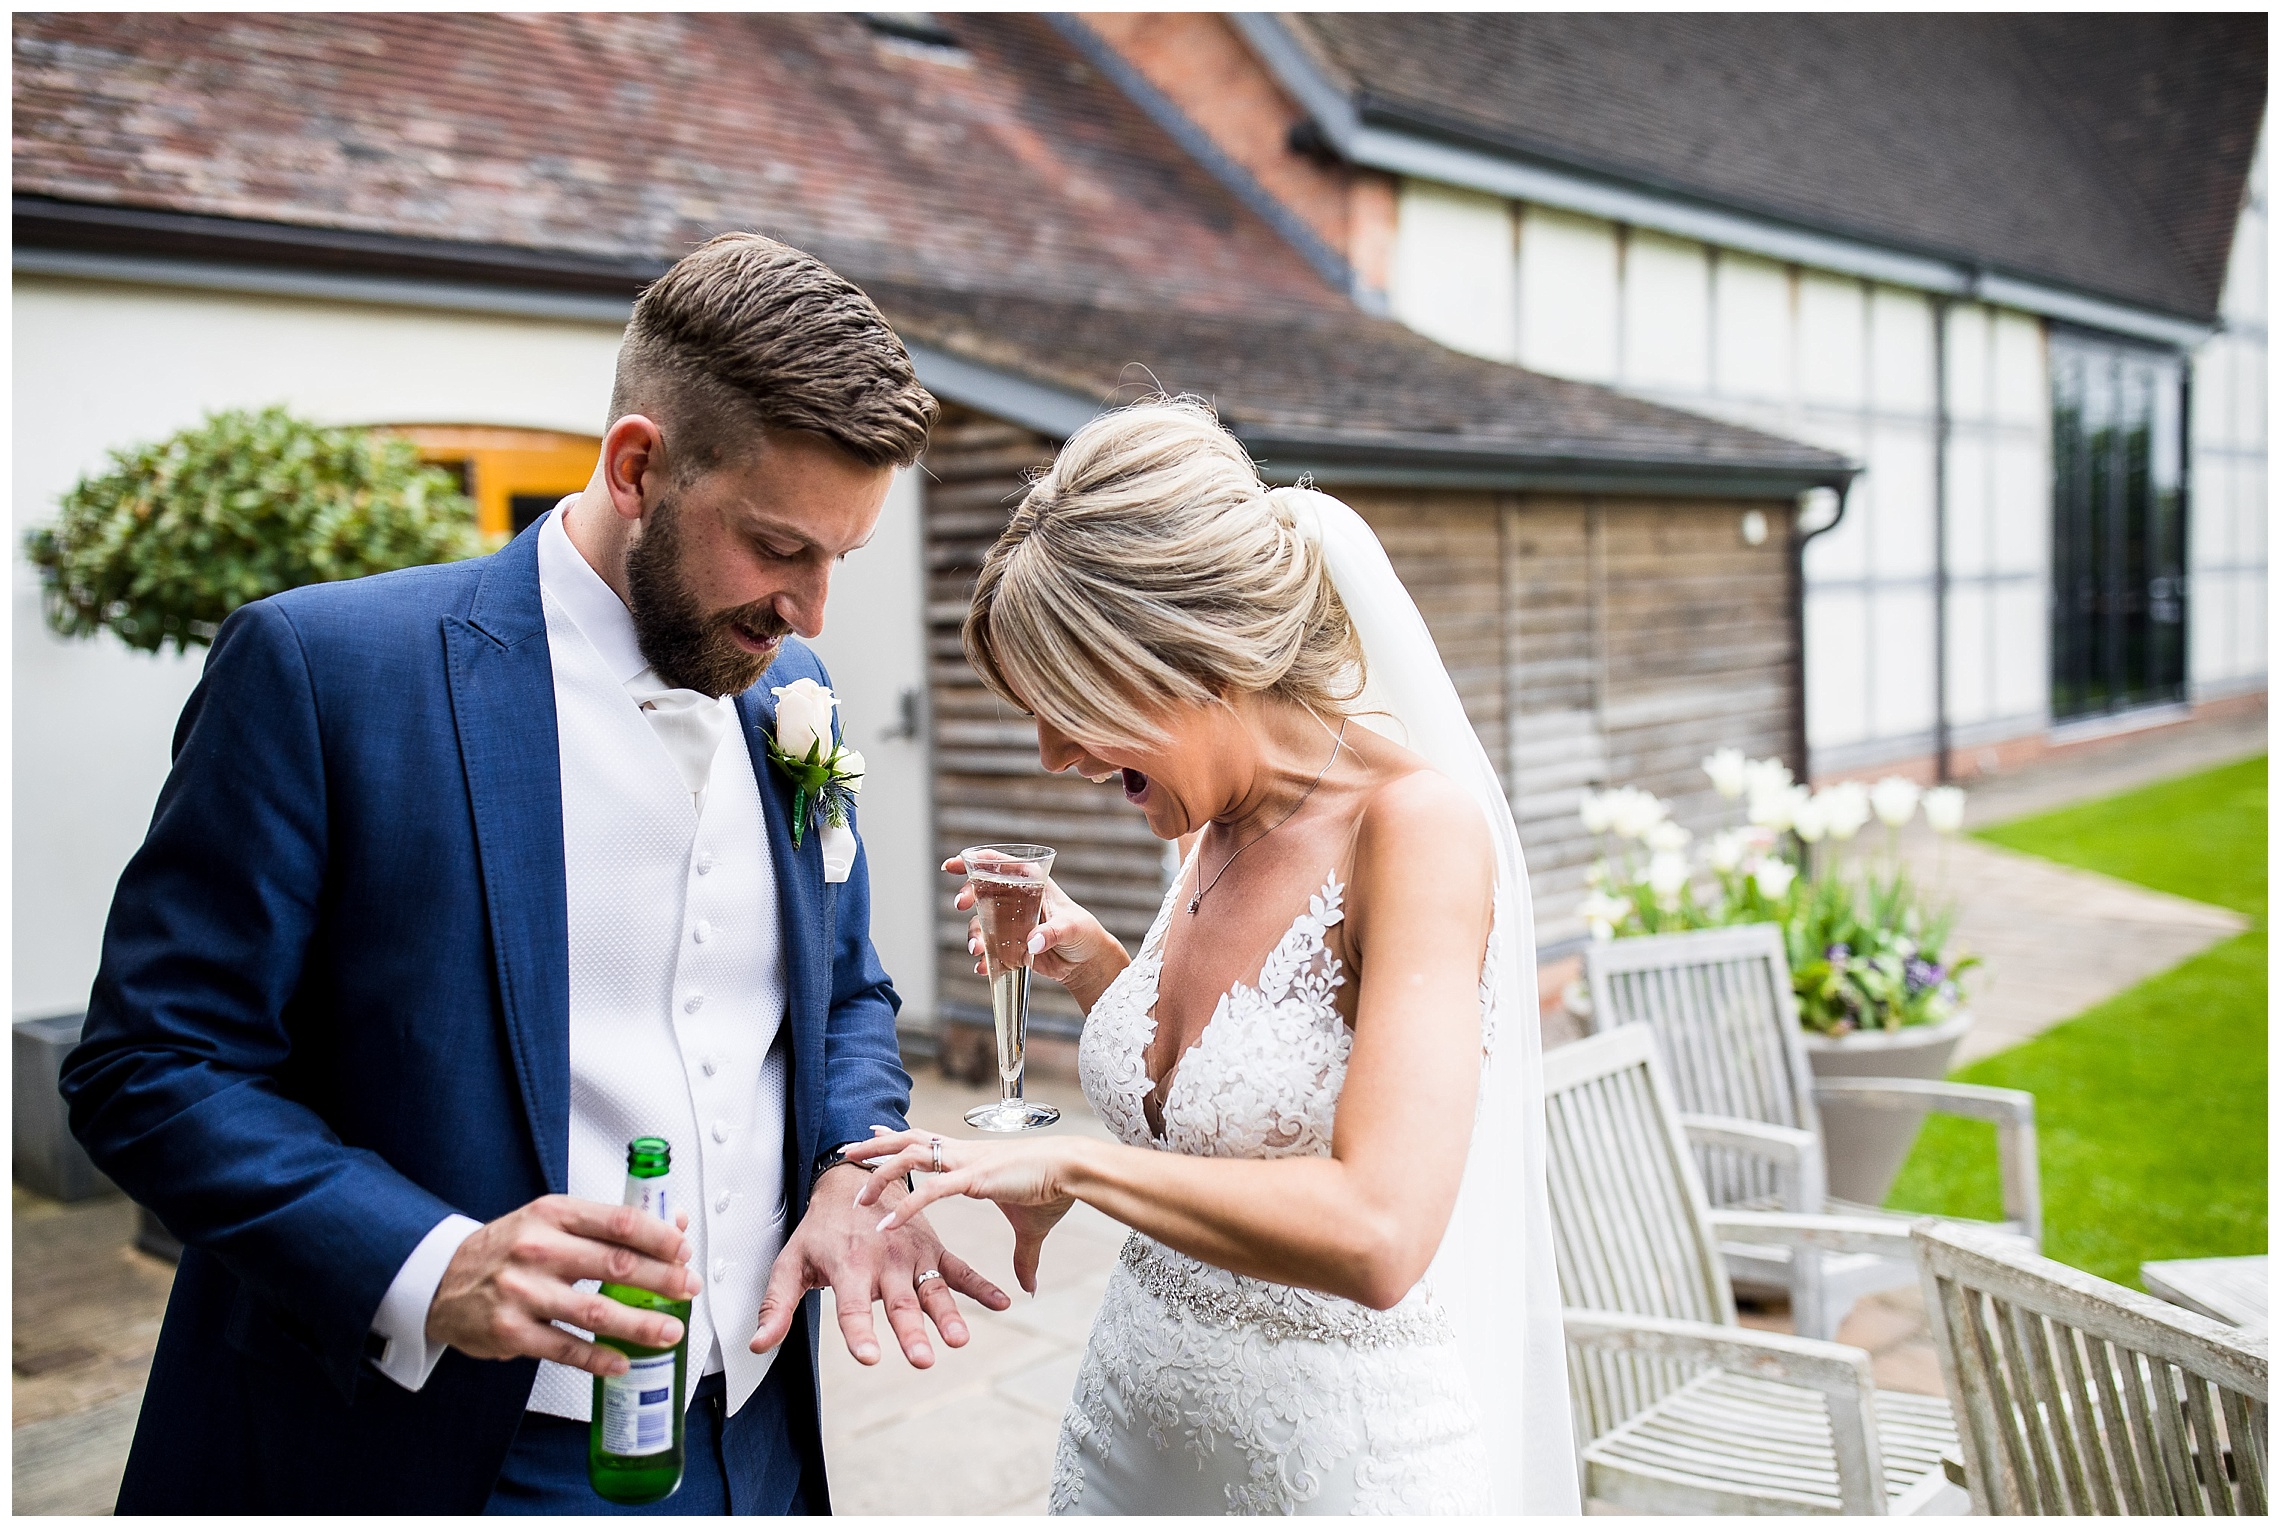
(690, 647)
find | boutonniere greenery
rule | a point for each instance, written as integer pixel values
(826, 775)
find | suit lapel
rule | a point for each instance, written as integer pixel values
(800, 901)
(502, 701)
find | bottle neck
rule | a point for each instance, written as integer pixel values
(650, 1195)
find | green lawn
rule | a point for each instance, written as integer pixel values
(2151, 1106)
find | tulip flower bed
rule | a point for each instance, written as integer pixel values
(1867, 950)
(2152, 1106)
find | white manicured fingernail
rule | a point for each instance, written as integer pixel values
(1037, 943)
(886, 1221)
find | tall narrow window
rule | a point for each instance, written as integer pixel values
(2118, 585)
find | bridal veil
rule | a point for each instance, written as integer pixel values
(1494, 1271)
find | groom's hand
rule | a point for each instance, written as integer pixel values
(510, 1281)
(839, 1246)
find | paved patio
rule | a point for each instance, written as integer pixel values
(975, 1434)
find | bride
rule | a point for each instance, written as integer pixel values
(1321, 1066)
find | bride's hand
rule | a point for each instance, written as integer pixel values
(1023, 1178)
(1069, 946)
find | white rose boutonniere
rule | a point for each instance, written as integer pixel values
(826, 775)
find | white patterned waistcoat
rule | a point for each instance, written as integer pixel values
(677, 992)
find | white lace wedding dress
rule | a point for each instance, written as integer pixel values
(1203, 1391)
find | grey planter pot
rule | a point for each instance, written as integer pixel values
(1867, 1147)
(47, 1159)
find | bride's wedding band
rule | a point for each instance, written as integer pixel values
(931, 1273)
(937, 1142)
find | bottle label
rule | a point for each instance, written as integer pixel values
(637, 1407)
(650, 1196)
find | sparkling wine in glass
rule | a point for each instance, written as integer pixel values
(1009, 894)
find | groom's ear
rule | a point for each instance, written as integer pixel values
(632, 454)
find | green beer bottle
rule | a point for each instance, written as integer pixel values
(634, 1452)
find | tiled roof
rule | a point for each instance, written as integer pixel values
(1291, 384)
(641, 134)
(1002, 199)
(2104, 152)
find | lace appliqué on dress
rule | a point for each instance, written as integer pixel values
(1300, 1386)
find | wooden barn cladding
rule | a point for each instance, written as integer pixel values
(1593, 639)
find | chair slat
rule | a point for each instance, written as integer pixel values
(2246, 1434)
(2087, 1430)
(2208, 1447)
(2066, 1411)
(2168, 1410)
(2132, 1467)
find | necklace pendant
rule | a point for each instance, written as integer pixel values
(1194, 902)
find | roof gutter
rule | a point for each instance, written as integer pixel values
(145, 247)
(1286, 455)
(1382, 138)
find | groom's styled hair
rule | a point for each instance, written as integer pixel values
(745, 332)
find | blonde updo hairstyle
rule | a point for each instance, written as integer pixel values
(1150, 567)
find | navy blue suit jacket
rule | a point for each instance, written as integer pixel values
(333, 1007)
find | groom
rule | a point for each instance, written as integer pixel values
(463, 877)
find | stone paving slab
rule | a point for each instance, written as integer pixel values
(2055, 940)
(976, 1432)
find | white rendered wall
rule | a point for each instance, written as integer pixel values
(2227, 546)
(100, 365)
(1831, 360)
(1452, 268)
(874, 643)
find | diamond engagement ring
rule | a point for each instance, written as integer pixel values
(937, 1143)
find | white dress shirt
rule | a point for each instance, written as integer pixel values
(676, 982)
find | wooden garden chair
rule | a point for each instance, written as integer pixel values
(2080, 1397)
(1721, 1003)
(1679, 1409)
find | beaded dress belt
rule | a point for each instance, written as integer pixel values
(1180, 1282)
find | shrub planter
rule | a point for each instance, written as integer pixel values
(1866, 1147)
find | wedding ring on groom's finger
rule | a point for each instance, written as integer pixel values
(920, 1281)
(936, 1142)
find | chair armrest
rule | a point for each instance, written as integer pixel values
(2011, 1111)
(2000, 1106)
(1795, 1154)
(1829, 1367)
(1826, 1233)
(1839, 1373)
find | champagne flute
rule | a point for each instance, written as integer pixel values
(1009, 894)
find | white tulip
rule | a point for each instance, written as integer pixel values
(1597, 811)
(1603, 912)
(1668, 838)
(1727, 850)
(1776, 809)
(1810, 818)
(851, 771)
(1635, 811)
(1728, 772)
(1894, 800)
(1666, 876)
(1762, 777)
(1845, 807)
(1773, 877)
(803, 717)
(1943, 808)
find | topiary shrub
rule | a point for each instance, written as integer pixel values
(177, 534)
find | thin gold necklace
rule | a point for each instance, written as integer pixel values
(1195, 903)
